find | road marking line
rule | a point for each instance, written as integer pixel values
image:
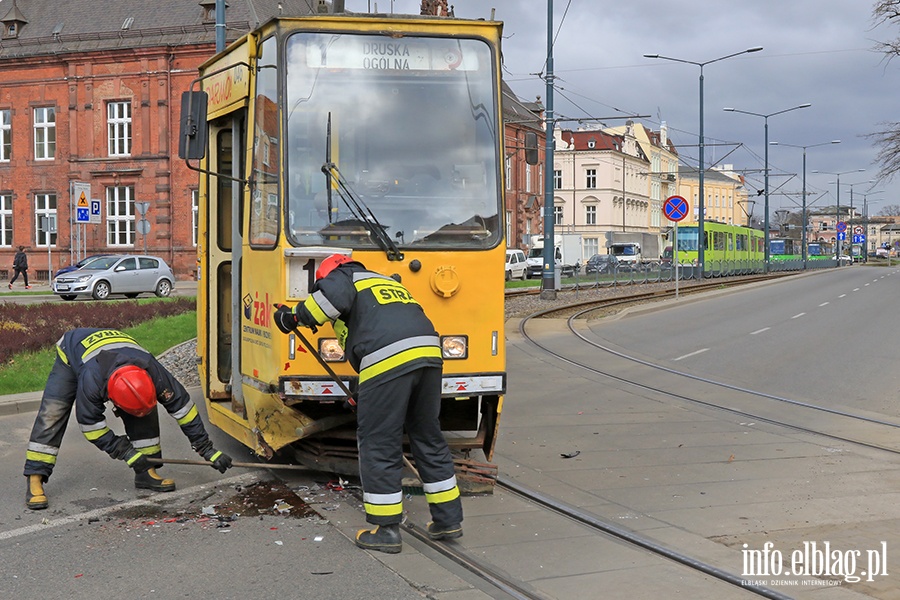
(823, 304)
(100, 512)
(760, 330)
(798, 315)
(842, 295)
(701, 351)
(855, 289)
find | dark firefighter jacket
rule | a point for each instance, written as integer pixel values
(382, 329)
(93, 354)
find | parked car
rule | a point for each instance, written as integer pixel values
(602, 263)
(117, 274)
(79, 264)
(516, 267)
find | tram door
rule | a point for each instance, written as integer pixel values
(226, 158)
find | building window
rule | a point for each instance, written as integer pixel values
(45, 219)
(557, 179)
(591, 246)
(508, 173)
(590, 179)
(590, 215)
(5, 136)
(557, 215)
(44, 133)
(195, 215)
(120, 229)
(509, 217)
(528, 178)
(118, 118)
(6, 220)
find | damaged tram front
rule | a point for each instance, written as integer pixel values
(374, 136)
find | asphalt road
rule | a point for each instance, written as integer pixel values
(827, 337)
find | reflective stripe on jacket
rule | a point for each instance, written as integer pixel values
(383, 330)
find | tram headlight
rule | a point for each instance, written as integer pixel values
(330, 350)
(454, 346)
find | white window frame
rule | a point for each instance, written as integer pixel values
(557, 214)
(5, 135)
(509, 172)
(118, 119)
(527, 178)
(44, 133)
(195, 216)
(120, 218)
(45, 206)
(6, 220)
(590, 179)
(590, 214)
(557, 179)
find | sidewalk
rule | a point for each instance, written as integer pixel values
(30, 401)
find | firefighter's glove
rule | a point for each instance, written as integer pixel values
(140, 463)
(285, 319)
(217, 459)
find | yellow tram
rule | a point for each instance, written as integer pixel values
(376, 136)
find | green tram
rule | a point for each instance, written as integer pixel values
(784, 249)
(729, 249)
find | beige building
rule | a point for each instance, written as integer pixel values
(604, 180)
(726, 196)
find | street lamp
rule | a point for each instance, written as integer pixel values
(701, 239)
(766, 184)
(803, 219)
(837, 212)
(866, 220)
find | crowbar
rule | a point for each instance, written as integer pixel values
(245, 465)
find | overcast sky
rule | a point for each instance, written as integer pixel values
(815, 51)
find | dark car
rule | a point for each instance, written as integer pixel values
(602, 263)
(79, 264)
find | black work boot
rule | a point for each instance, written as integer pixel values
(443, 532)
(384, 538)
(35, 498)
(150, 480)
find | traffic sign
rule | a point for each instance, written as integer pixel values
(95, 210)
(842, 235)
(858, 230)
(841, 227)
(82, 192)
(859, 239)
(675, 208)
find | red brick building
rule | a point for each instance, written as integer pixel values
(90, 94)
(524, 182)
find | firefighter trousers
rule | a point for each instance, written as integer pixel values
(412, 400)
(53, 418)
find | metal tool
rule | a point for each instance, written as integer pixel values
(245, 465)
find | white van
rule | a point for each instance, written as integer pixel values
(516, 268)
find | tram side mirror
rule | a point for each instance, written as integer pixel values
(531, 148)
(194, 129)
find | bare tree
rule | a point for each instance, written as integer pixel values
(888, 138)
(889, 211)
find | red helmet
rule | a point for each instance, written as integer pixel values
(330, 264)
(131, 389)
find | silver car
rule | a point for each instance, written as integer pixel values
(117, 274)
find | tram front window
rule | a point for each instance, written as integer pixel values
(687, 239)
(409, 125)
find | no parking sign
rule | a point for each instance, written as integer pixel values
(675, 208)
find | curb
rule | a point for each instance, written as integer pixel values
(15, 404)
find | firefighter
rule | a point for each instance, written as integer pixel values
(393, 346)
(94, 366)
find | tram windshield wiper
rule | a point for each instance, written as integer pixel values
(360, 211)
